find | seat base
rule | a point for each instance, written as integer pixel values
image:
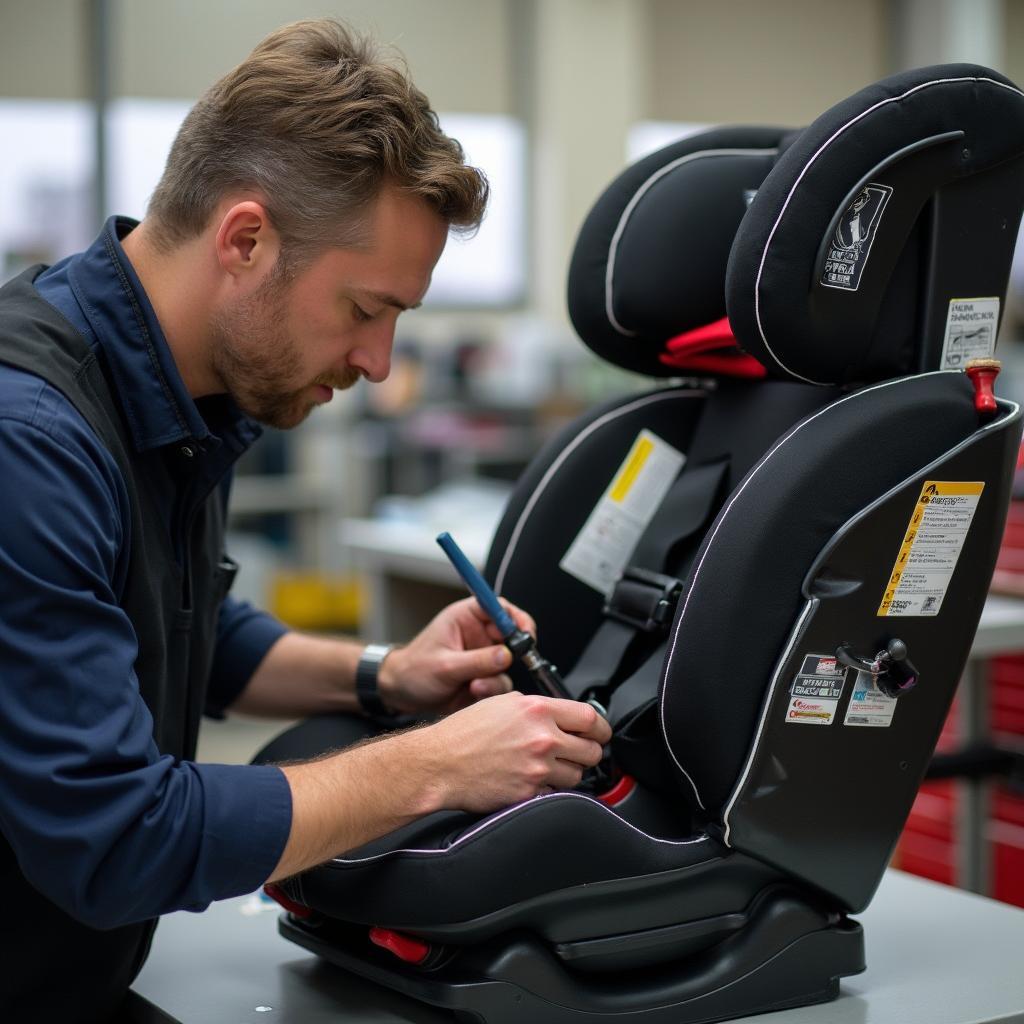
(789, 953)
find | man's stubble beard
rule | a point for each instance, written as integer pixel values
(259, 372)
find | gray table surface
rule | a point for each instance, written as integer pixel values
(935, 955)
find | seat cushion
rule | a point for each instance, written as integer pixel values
(453, 867)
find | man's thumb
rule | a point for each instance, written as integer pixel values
(485, 661)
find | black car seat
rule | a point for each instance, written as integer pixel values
(770, 573)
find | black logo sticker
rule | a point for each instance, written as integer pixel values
(820, 676)
(851, 244)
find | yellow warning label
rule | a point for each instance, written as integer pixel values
(641, 452)
(931, 546)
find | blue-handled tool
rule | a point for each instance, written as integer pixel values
(478, 585)
(519, 642)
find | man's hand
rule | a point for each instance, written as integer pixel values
(458, 658)
(511, 748)
(495, 753)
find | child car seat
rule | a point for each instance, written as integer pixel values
(771, 575)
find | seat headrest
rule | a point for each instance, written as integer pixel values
(885, 213)
(650, 259)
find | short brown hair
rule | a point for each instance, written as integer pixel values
(316, 122)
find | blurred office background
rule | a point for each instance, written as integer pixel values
(333, 522)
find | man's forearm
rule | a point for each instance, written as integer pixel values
(303, 675)
(342, 801)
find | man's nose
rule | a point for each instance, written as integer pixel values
(373, 355)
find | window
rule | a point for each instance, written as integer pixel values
(45, 181)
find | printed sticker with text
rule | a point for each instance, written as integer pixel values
(815, 691)
(600, 550)
(971, 326)
(868, 705)
(931, 546)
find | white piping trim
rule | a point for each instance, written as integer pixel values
(813, 602)
(513, 810)
(794, 636)
(609, 271)
(601, 421)
(828, 142)
(718, 525)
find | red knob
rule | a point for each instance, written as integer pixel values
(983, 373)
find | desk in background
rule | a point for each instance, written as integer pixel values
(406, 575)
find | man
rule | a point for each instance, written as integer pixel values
(305, 203)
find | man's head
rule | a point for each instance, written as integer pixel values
(281, 342)
(320, 174)
(315, 122)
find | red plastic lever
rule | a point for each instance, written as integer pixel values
(983, 373)
(275, 893)
(405, 947)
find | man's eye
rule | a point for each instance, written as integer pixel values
(360, 313)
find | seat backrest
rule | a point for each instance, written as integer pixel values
(845, 271)
(861, 261)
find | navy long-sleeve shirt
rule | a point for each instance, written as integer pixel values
(102, 823)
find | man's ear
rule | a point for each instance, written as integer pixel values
(246, 241)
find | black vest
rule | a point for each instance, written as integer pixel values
(51, 966)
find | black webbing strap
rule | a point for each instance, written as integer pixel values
(643, 600)
(685, 509)
(600, 658)
(639, 688)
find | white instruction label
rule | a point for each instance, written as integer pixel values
(931, 546)
(868, 705)
(598, 554)
(971, 327)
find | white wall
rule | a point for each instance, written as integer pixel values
(42, 49)
(748, 61)
(455, 48)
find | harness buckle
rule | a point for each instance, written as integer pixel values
(643, 599)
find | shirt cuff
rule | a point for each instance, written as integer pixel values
(248, 818)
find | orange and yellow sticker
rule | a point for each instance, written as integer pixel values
(931, 546)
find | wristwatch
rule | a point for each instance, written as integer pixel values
(367, 670)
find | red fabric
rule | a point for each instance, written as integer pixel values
(711, 349)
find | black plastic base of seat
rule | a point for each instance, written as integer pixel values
(788, 955)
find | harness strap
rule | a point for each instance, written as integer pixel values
(643, 600)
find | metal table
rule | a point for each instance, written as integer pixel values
(935, 955)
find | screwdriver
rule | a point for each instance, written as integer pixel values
(518, 641)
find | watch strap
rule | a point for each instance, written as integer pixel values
(367, 670)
